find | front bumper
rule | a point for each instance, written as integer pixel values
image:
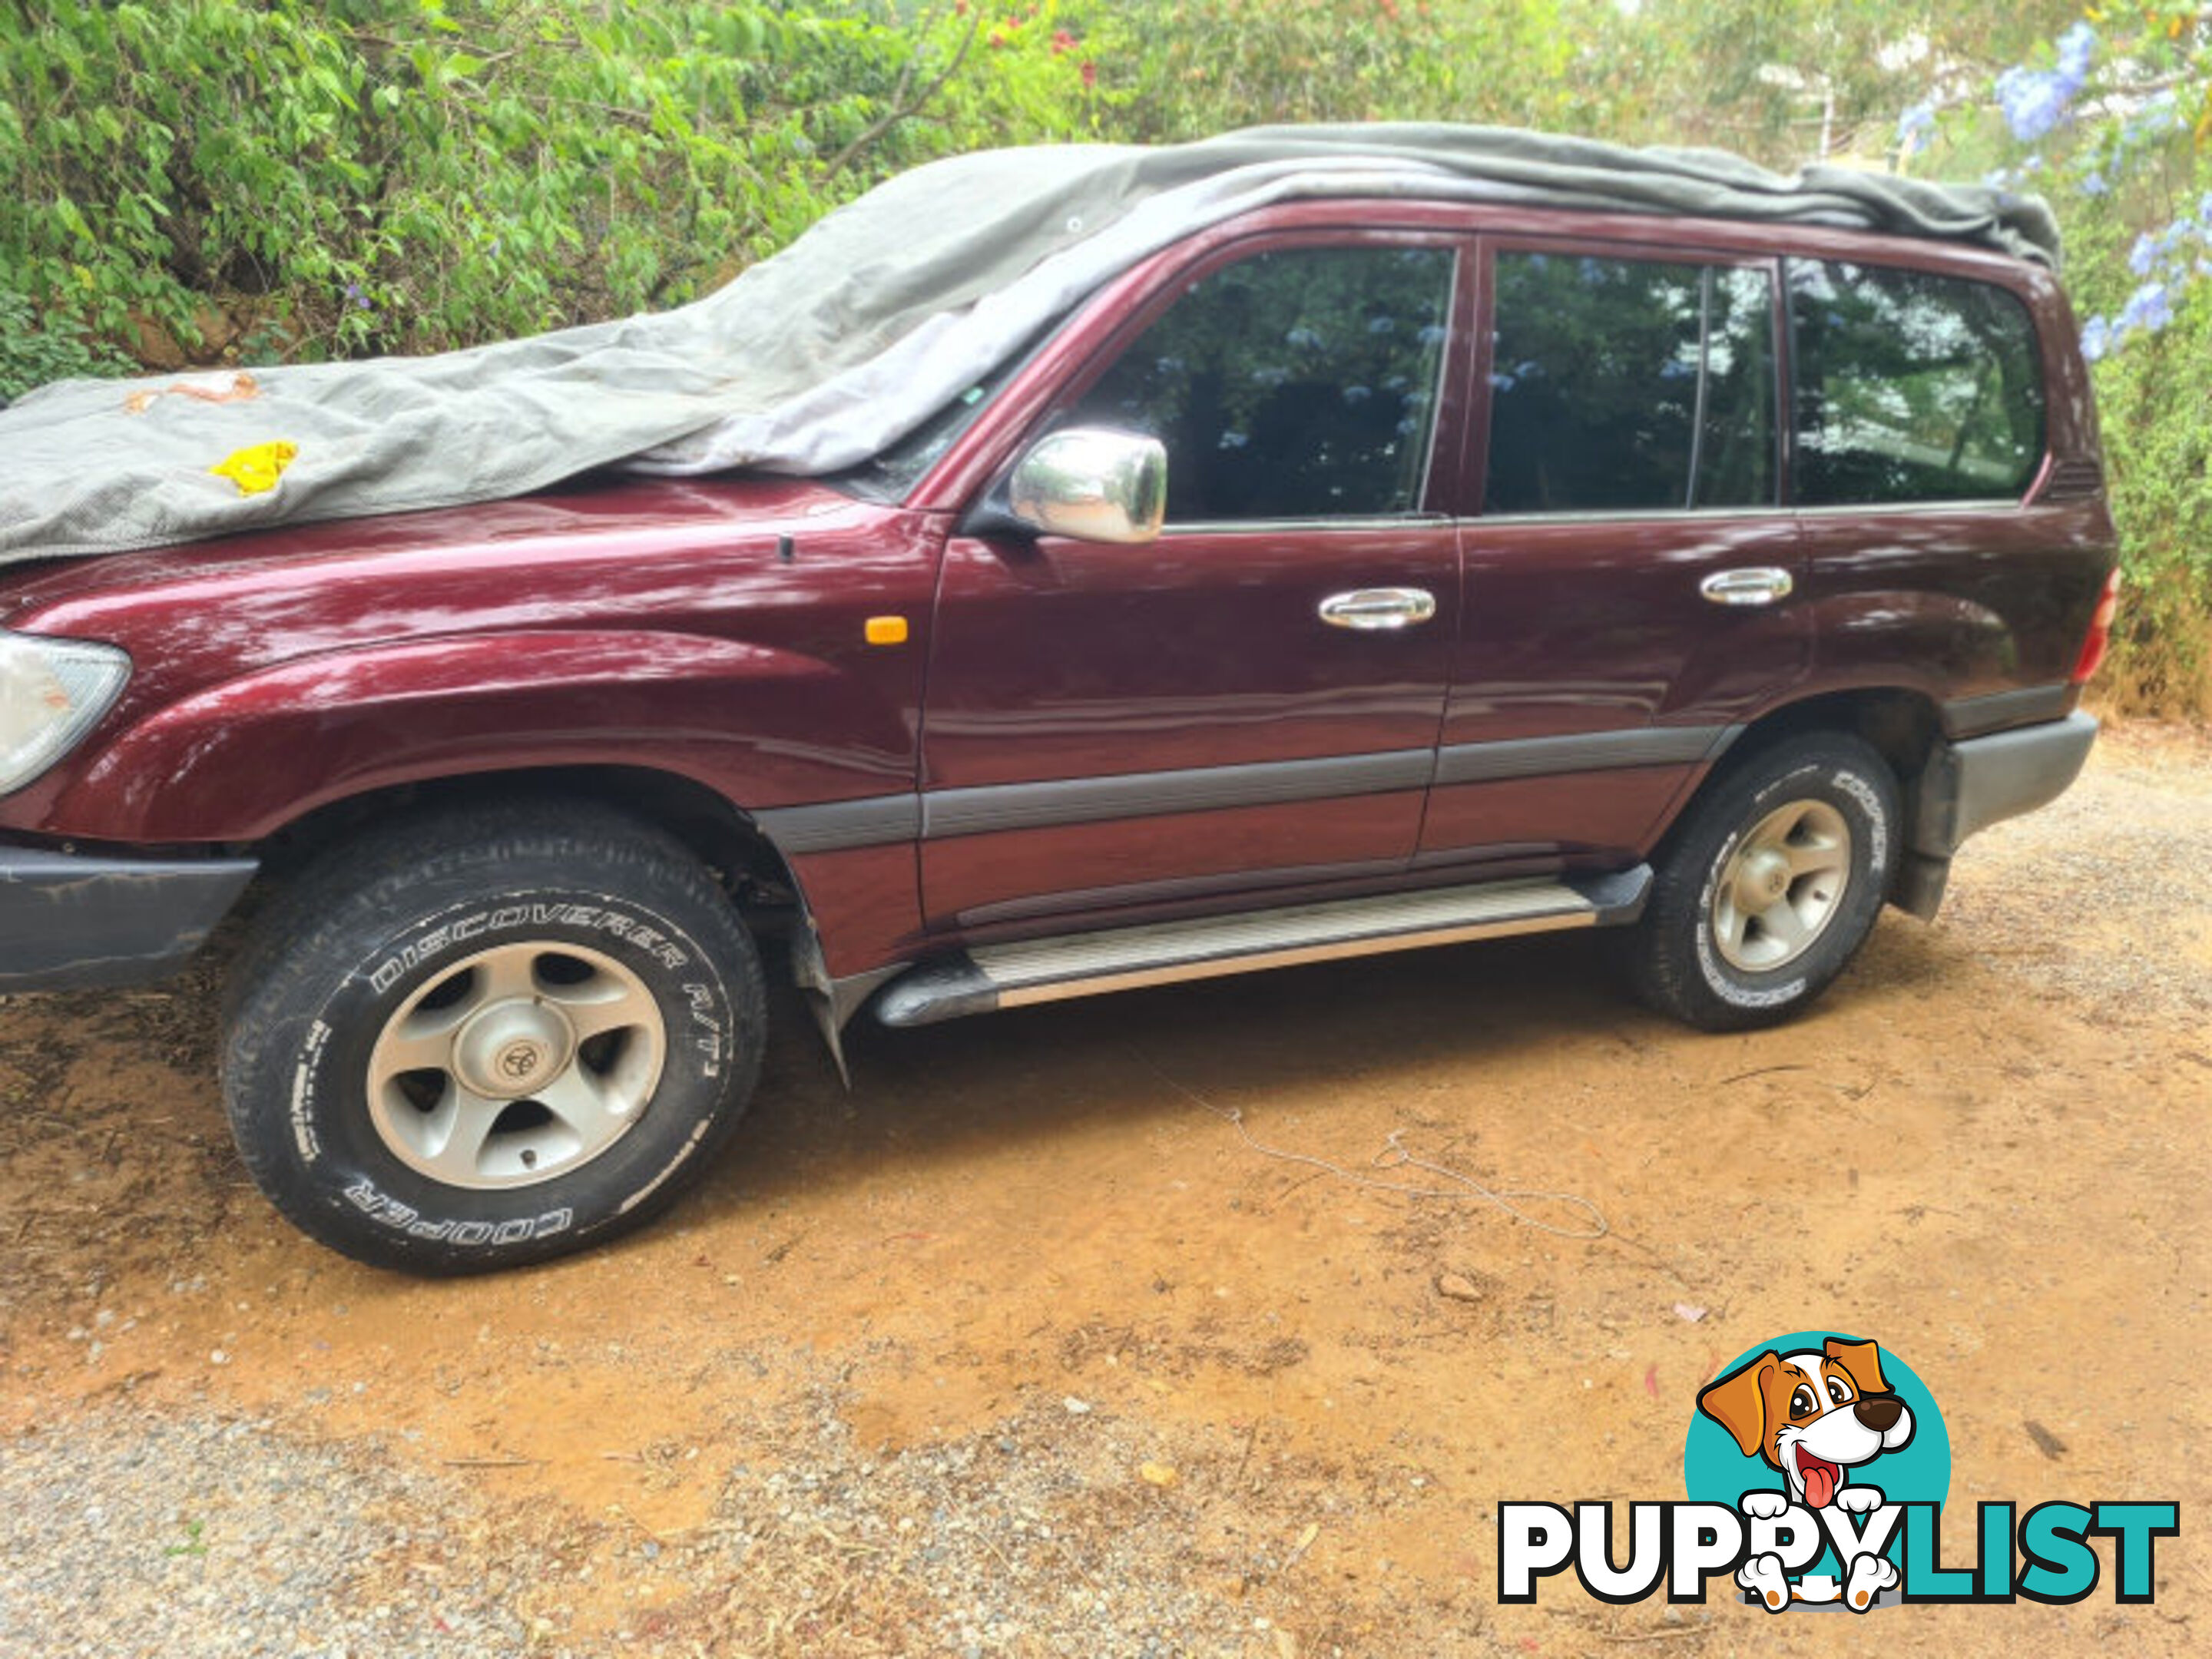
(67, 920)
(1972, 784)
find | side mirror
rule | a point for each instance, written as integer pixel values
(1092, 484)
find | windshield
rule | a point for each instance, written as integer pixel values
(892, 475)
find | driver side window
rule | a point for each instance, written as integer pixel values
(1297, 383)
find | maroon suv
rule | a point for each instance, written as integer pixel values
(1352, 575)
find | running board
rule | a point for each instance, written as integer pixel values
(993, 976)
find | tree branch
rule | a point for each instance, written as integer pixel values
(900, 111)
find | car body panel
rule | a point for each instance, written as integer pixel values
(714, 629)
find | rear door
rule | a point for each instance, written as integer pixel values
(1108, 727)
(1630, 581)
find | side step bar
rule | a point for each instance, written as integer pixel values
(995, 976)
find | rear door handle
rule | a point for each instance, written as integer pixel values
(1755, 584)
(1372, 610)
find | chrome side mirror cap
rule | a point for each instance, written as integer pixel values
(1092, 484)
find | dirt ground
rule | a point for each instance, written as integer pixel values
(1022, 1347)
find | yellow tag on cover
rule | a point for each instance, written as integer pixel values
(257, 467)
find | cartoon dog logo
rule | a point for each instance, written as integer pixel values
(1816, 1417)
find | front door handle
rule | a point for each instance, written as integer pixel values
(1755, 584)
(1371, 610)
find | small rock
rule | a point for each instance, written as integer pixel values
(219, 1357)
(1458, 1287)
(1157, 1474)
(1077, 1407)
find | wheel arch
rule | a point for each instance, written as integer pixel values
(725, 838)
(1902, 725)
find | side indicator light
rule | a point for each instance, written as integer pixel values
(886, 630)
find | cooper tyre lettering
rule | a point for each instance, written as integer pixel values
(1769, 885)
(413, 920)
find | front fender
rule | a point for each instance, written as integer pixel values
(761, 727)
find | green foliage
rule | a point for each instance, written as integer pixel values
(1171, 70)
(31, 355)
(2155, 401)
(293, 179)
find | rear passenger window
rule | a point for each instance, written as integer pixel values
(1629, 384)
(1911, 387)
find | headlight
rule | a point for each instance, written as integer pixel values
(52, 693)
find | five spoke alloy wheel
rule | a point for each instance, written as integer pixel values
(1769, 883)
(490, 1033)
(1782, 886)
(516, 1066)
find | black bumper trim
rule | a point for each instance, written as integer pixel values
(68, 922)
(1972, 785)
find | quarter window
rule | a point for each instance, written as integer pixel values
(1630, 385)
(1301, 383)
(1911, 387)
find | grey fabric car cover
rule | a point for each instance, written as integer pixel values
(823, 356)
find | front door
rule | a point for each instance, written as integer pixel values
(1108, 726)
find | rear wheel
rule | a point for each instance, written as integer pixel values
(491, 1035)
(1770, 885)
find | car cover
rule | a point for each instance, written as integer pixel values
(818, 358)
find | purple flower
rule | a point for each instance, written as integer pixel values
(2148, 308)
(2033, 101)
(2077, 48)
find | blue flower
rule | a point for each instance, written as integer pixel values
(2096, 338)
(2148, 308)
(2143, 255)
(2093, 184)
(1913, 123)
(2077, 48)
(2034, 100)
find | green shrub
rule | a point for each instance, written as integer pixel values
(30, 355)
(205, 179)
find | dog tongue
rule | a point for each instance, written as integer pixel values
(1819, 1484)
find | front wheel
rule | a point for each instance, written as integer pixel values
(490, 1036)
(1770, 885)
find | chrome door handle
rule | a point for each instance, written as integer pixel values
(1758, 585)
(1372, 608)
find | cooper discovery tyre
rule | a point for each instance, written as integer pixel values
(1770, 885)
(491, 1035)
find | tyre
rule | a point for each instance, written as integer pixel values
(490, 1036)
(1769, 884)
